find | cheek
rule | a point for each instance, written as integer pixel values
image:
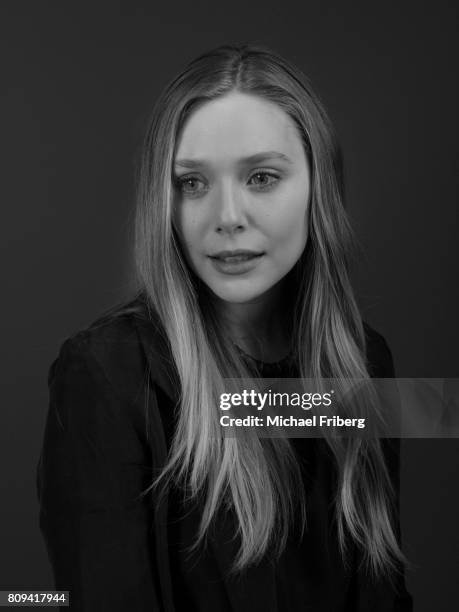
(187, 225)
(192, 230)
(289, 223)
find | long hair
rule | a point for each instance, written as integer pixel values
(260, 480)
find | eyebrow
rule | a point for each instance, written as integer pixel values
(251, 159)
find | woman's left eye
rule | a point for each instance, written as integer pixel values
(264, 180)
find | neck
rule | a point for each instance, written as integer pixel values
(260, 326)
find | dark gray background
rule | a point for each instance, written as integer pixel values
(77, 86)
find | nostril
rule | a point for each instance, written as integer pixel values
(229, 228)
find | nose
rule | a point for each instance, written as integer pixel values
(230, 213)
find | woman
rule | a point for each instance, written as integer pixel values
(242, 250)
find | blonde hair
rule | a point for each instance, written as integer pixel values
(260, 480)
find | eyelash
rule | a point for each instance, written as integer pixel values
(180, 181)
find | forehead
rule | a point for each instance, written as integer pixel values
(238, 125)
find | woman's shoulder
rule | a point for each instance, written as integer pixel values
(113, 328)
(118, 346)
(379, 356)
(119, 323)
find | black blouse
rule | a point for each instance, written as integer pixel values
(106, 436)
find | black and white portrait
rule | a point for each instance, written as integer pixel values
(204, 205)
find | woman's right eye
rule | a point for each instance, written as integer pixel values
(189, 185)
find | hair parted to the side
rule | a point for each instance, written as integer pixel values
(260, 480)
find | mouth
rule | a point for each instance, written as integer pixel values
(236, 256)
(233, 263)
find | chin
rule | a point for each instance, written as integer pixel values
(237, 292)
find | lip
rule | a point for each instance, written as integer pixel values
(239, 261)
(235, 255)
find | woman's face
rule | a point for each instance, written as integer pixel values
(242, 186)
